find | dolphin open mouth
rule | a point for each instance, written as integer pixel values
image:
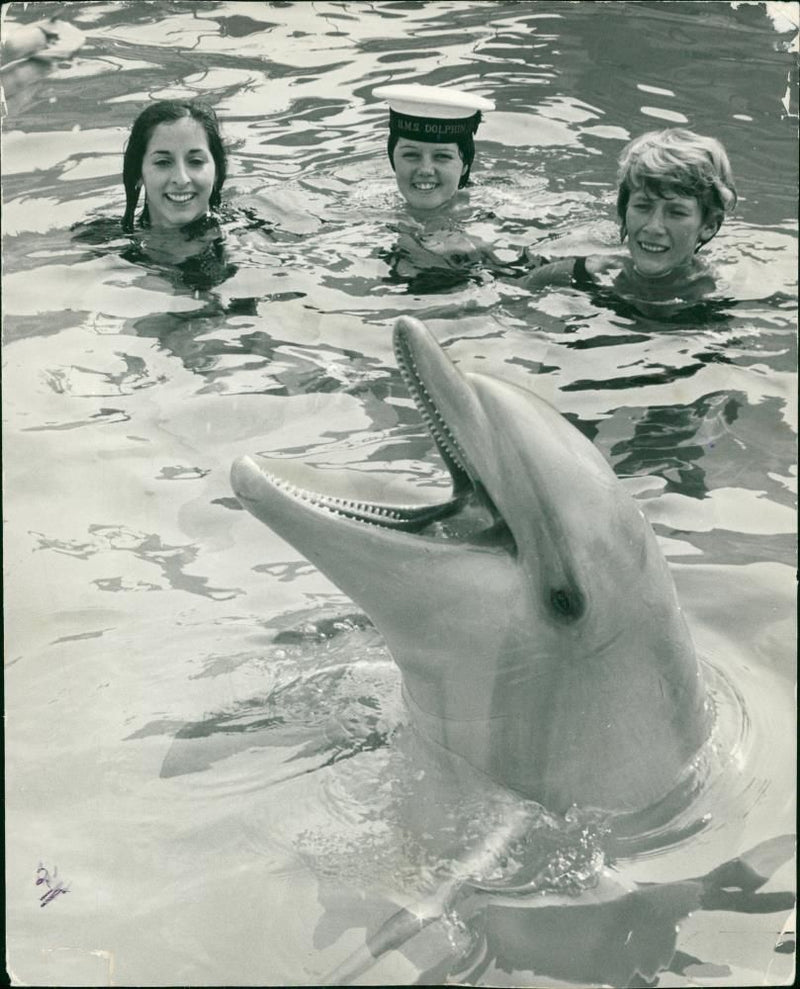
(468, 514)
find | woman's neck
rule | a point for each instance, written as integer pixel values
(689, 281)
(682, 271)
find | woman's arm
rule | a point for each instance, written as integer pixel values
(577, 272)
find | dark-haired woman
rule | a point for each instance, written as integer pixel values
(431, 149)
(431, 143)
(175, 153)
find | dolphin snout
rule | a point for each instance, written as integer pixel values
(246, 478)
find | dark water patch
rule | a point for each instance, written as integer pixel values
(588, 427)
(170, 559)
(182, 474)
(324, 629)
(606, 341)
(670, 441)
(240, 25)
(163, 726)
(80, 636)
(533, 366)
(232, 503)
(116, 584)
(727, 548)
(87, 382)
(285, 572)
(663, 376)
(699, 447)
(101, 417)
(17, 327)
(320, 716)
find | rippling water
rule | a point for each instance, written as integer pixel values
(205, 738)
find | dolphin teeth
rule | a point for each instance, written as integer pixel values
(409, 518)
(431, 416)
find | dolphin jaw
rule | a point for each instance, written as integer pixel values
(249, 478)
(469, 515)
(461, 520)
(450, 449)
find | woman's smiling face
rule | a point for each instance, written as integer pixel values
(427, 174)
(664, 231)
(178, 173)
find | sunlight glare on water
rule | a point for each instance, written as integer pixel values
(205, 738)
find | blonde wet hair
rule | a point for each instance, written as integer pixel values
(677, 162)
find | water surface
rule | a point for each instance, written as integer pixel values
(205, 738)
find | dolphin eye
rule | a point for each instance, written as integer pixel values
(566, 602)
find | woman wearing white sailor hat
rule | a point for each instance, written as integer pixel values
(431, 146)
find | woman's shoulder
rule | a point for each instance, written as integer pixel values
(694, 282)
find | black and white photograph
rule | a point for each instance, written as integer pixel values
(400, 492)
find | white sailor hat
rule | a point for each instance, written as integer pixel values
(432, 113)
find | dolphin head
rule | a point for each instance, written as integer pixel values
(531, 613)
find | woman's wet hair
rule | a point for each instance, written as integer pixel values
(677, 162)
(167, 112)
(466, 149)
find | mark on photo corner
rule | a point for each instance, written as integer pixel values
(53, 883)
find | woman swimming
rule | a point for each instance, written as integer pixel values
(431, 149)
(431, 144)
(175, 152)
(674, 190)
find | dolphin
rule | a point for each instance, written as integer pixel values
(531, 613)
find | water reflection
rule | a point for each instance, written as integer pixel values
(576, 919)
(614, 934)
(171, 560)
(669, 441)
